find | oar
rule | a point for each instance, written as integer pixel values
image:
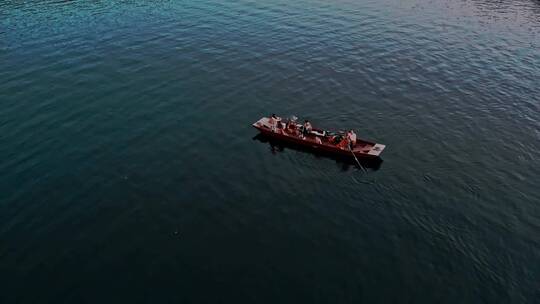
(358, 162)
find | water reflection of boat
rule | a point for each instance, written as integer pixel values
(278, 146)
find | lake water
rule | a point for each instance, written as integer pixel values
(129, 171)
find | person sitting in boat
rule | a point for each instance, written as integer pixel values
(274, 121)
(290, 126)
(280, 125)
(351, 137)
(306, 128)
(335, 139)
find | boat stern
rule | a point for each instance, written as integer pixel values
(376, 150)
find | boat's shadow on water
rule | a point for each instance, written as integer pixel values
(345, 163)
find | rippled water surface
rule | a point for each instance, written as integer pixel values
(129, 172)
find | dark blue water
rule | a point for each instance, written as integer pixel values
(129, 173)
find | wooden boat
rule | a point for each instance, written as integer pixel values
(317, 139)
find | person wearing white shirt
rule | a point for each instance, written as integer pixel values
(351, 136)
